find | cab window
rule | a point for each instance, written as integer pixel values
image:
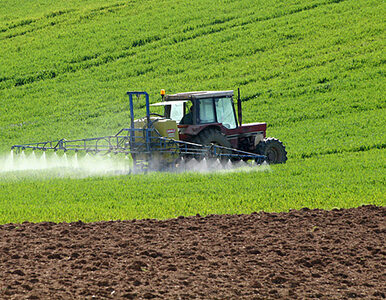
(177, 111)
(206, 111)
(225, 112)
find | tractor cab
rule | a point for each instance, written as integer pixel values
(200, 108)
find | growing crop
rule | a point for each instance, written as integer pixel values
(313, 70)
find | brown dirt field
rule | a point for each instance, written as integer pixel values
(304, 254)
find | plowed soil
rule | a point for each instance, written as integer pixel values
(304, 254)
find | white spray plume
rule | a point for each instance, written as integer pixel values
(79, 166)
(62, 165)
(216, 165)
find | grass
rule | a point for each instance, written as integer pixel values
(313, 70)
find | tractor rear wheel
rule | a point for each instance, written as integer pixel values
(213, 136)
(273, 149)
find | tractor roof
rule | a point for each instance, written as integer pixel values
(198, 95)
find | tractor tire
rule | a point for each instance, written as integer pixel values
(212, 136)
(273, 149)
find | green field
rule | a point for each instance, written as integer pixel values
(313, 70)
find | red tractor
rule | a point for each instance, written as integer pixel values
(195, 125)
(209, 117)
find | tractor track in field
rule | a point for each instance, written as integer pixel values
(338, 254)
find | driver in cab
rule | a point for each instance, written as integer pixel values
(188, 118)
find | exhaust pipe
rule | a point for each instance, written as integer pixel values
(239, 112)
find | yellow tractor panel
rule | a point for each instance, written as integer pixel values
(167, 128)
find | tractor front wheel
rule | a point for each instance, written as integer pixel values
(273, 149)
